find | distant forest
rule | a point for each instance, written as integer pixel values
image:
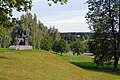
(73, 36)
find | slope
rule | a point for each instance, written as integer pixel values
(41, 65)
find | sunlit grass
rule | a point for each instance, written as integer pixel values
(41, 65)
(35, 65)
(85, 62)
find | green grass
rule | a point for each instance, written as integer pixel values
(85, 62)
(41, 65)
(82, 60)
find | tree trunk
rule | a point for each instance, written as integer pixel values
(118, 45)
(116, 57)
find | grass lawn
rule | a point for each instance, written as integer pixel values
(85, 62)
(42, 65)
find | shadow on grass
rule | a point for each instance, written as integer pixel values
(2, 57)
(93, 67)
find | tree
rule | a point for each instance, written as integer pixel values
(34, 31)
(7, 6)
(12, 25)
(104, 20)
(91, 46)
(6, 9)
(78, 47)
(40, 37)
(46, 43)
(54, 33)
(61, 46)
(6, 38)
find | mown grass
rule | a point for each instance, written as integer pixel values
(41, 65)
(36, 65)
(85, 62)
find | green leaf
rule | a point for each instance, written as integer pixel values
(14, 1)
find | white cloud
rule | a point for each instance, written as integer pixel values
(37, 1)
(72, 20)
(69, 17)
(75, 12)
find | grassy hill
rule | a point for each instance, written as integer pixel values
(41, 65)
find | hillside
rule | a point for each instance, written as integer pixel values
(41, 65)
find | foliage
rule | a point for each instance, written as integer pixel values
(27, 21)
(1, 30)
(91, 46)
(69, 37)
(5, 38)
(6, 9)
(61, 46)
(46, 43)
(5, 35)
(78, 47)
(73, 36)
(40, 37)
(54, 33)
(56, 1)
(7, 6)
(103, 18)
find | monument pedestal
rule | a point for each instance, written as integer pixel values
(20, 47)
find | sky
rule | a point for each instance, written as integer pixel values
(66, 18)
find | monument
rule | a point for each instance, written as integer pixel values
(22, 43)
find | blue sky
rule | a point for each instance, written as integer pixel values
(67, 18)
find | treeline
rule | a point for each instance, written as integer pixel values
(80, 42)
(40, 37)
(73, 36)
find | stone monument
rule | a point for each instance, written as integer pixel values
(23, 43)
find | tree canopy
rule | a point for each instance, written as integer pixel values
(104, 20)
(7, 6)
(12, 25)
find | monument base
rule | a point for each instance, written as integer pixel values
(20, 47)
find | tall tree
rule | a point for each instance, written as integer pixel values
(46, 43)
(54, 33)
(29, 23)
(6, 38)
(34, 31)
(104, 20)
